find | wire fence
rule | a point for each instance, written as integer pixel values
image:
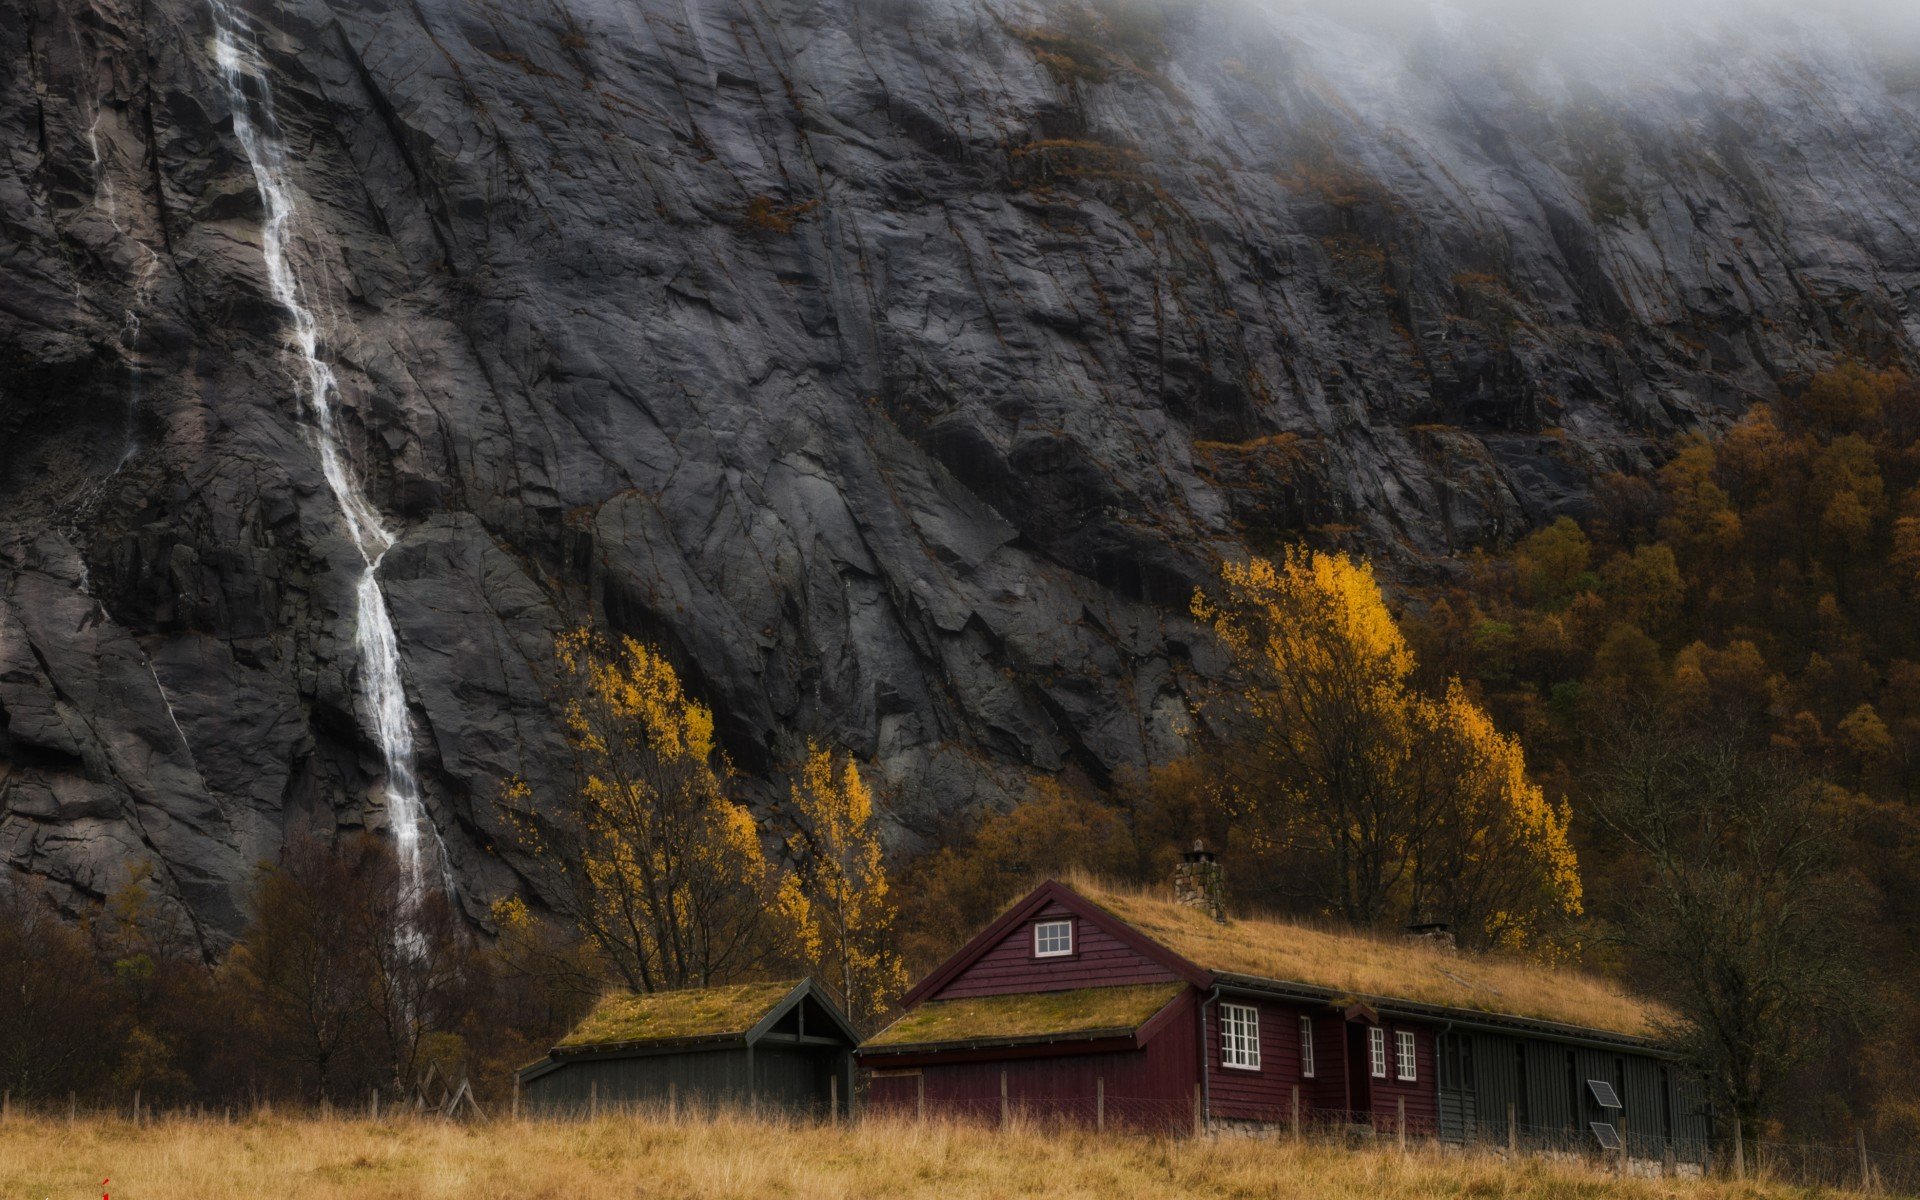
(1855, 1167)
(1807, 1165)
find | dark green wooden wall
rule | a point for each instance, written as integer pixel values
(1545, 1082)
(791, 1078)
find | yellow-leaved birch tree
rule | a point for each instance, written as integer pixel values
(648, 853)
(838, 897)
(1396, 806)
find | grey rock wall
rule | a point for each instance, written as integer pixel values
(899, 365)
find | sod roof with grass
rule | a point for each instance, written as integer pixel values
(1027, 1016)
(1377, 968)
(623, 1018)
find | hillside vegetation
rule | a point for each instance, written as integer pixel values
(420, 1160)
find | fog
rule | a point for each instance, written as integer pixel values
(1853, 63)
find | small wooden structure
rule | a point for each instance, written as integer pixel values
(778, 1046)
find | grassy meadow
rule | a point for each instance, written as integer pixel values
(319, 1159)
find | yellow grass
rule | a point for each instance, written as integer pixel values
(1376, 967)
(700, 1012)
(1029, 1014)
(625, 1157)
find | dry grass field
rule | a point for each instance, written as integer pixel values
(621, 1157)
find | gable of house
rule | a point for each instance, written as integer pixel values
(1098, 958)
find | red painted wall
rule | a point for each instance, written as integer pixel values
(1329, 1084)
(1099, 959)
(1147, 1088)
(1422, 1094)
(1267, 1094)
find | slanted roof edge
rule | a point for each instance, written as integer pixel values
(1129, 1032)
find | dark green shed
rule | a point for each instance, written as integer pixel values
(782, 1046)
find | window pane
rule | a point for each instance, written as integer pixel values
(1053, 937)
(1239, 1036)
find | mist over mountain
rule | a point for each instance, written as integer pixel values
(900, 366)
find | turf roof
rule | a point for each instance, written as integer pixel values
(1028, 1015)
(624, 1017)
(1379, 968)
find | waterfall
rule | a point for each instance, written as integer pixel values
(254, 124)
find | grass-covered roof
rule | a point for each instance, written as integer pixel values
(1028, 1015)
(624, 1017)
(1377, 967)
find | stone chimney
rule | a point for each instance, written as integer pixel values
(1199, 883)
(1438, 934)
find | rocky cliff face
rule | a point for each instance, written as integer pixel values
(900, 365)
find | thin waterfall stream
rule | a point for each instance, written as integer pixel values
(415, 839)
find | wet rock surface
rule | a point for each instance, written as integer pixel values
(899, 365)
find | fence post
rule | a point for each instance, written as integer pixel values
(833, 1099)
(1866, 1167)
(1003, 1097)
(1400, 1119)
(73, 1107)
(136, 1107)
(1100, 1103)
(593, 1098)
(920, 1096)
(1739, 1151)
(673, 1100)
(516, 1095)
(373, 1104)
(1198, 1119)
(1296, 1112)
(1513, 1129)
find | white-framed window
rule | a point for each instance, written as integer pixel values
(1240, 1036)
(1377, 1050)
(1306, 1047)
(1052, 939)
(1403, 1060)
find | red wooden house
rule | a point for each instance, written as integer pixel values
(1120, 1008)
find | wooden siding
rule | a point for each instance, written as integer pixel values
(1329, 1083)
(1265, 1095)
(698, 1080)
(1150, 1087)
(1422, 1093)
(792, 1079)
(1099, 959)
(1545, 1083)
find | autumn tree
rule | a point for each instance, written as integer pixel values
(62, 1029)
(1736, 905)
(647, 853)
(980, 867)
(347, 984)
(297, 963)
(1497, 862)
(1391, 800)
(838, 898)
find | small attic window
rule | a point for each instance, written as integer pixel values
(1053, 939)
